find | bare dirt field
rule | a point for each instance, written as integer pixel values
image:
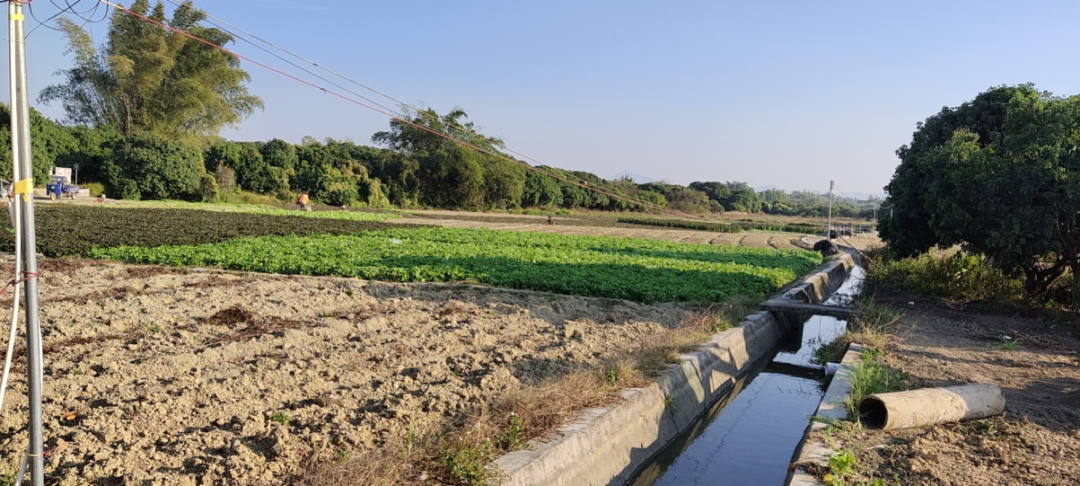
(1036, 442)
(163, 376)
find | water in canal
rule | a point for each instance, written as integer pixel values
(748, 436)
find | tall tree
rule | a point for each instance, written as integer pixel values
(146, 78)
(451, 174)
(996, 175)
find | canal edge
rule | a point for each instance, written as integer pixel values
(830, 409)
(607, 445)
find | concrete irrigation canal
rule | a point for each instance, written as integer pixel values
(748, 436)
(731, 413)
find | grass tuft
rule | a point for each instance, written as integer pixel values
(871, 376)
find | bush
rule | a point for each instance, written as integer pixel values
(208, 188)
(127, 189)
(161, 168)
(958, 276)
(96, 188)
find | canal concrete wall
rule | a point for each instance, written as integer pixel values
(831, 409)
(606, 446)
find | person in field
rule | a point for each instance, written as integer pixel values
(303, 201)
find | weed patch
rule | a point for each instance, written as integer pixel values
(871, 376)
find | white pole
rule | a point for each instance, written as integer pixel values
(828, 230)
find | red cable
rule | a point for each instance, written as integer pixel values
(391, 115)
(14, 282)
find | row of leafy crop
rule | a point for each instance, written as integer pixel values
(68, 229)
(719, 227)
(265, 209)
(635, 269)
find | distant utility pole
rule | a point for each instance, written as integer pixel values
(828, 230)
(24, 199)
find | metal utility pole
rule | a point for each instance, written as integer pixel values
(24, 198)
(828, 230)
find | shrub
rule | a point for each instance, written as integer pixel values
(958, 276)
(160, 167)
(96, 188)
(208, 188)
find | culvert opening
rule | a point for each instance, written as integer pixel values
(872, 413)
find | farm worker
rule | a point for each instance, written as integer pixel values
(303, 202)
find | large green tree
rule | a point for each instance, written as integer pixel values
(146, 78)
(997, 175)
(451, 174)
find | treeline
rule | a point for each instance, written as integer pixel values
(142, 112)
(412, 168)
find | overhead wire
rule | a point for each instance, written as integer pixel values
(68, 7)
(421, 112)
(391, 114)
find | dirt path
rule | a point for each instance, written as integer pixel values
(158, 376)
(1036, 442)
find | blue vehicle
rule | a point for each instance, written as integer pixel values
(60, 187)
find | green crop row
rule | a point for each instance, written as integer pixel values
(722, 227)
(69, 229)
(268, 210)
(635, 269)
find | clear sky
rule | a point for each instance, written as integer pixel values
(785, 93)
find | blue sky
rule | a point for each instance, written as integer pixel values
(785, 93)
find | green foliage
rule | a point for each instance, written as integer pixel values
(208, 189)
(733, 196)
(161, 168)
(678, 197)
(65, 229)
(504, 183)
(281, 154)
(959, 276)
(252, 172)
(50, 143)
(993, 175)
(641, 270)
(871, 376)
(843, 470)
(96, 188)
(146, 78)
(468, 462)
(831, 352)
(280, 418)
(1006, 345)
(540, 190)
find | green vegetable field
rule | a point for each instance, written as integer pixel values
(635, 269)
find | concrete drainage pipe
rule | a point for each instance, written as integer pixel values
(929, 406)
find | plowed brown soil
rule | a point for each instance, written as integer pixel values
(162, 376)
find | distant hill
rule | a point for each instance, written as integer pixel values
(640, 179)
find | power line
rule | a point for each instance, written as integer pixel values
(389, 113)
(577, 180)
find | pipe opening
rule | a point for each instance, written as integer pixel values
(872, 413)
